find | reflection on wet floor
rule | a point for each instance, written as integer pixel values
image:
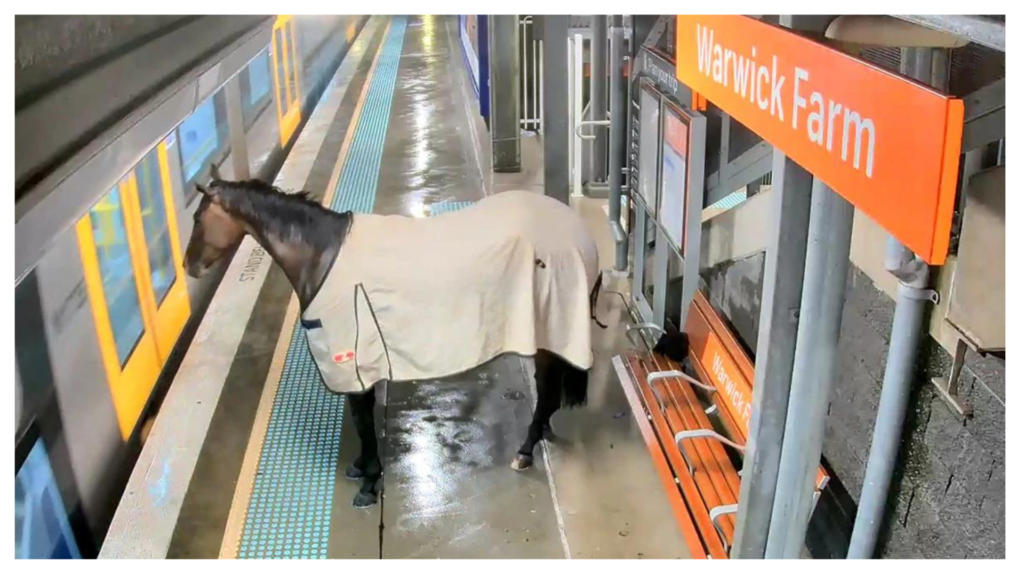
(450, 491)
(428, 154)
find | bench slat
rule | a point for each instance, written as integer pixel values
(702, 422)
(706, 473)
(683, 516)
(720, 361)
(688, 484)
(716, 463)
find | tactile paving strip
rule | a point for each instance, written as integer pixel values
(288, 515)
(443, 207)
(289, 510)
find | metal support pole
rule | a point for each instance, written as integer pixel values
(576, 112)
(524, 67)
(503, 41)
(821, 312)
(236, 129)
(555, 105)
(640, 225)
(776, 350)
(661, 253)
(616, 144)
(912, 295)
(598, 102)
(19, 398)
(776, 345)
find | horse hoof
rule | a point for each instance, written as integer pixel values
(353, 473)
(364, 500)
(522, 462)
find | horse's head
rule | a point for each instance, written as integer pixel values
(216, 232)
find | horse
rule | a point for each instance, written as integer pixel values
(377, 306)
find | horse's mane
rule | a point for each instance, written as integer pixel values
(281, 213)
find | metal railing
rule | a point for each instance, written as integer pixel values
(531, 77)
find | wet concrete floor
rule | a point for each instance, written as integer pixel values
(447, 445)
(449, 491)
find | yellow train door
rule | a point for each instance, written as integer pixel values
(287, 71)
(131, 256)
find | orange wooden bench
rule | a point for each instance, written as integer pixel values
(718, 358)
(691, 424)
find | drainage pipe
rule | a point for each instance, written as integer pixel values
(616, 139)
(912, 294)
(892, 406)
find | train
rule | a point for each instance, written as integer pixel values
(105, 312)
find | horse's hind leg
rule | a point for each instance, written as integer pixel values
(549, 374)
(367, 466)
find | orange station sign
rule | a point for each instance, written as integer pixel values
(888, 145)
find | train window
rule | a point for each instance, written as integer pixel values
(259, 78)
(281, 68)
(296, 66)
(285, 60)
(117, 272)
(153, 209)
(199, 138)
(158, 251)
(117, 280)
(41, 527)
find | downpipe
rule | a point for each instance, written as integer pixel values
(912, 294)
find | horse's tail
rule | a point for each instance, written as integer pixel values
(574, 386)
(593, 301)
(560, 381)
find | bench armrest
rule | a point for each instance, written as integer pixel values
(702, 433)
(655, 376)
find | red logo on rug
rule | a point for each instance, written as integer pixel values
(344, 356)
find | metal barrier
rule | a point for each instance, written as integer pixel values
(531, 77)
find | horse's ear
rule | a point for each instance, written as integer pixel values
(210, 193)
(214, 172)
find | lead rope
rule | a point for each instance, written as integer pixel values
(380, 456)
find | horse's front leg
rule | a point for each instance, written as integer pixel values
(367, 466)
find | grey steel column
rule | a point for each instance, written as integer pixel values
(503, 44)
(821, 312)
(776, 346)
(598, 102)
(555, 101)
(694, 206)
(236, 129)
(617, 143)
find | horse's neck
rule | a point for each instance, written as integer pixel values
(306, 266)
